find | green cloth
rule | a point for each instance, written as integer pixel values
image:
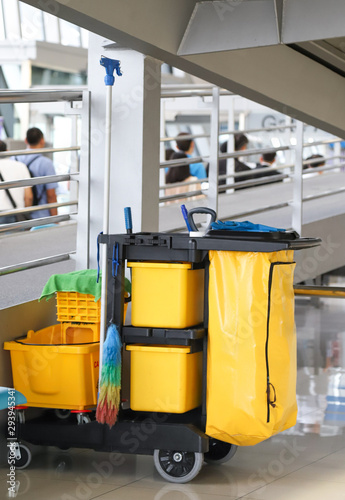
(78, 281)
(84, 281)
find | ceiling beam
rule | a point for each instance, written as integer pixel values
(276, 76)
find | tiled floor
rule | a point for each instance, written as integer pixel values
(306, 462)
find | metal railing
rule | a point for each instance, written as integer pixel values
(67, 96)
(287, 172)
(29, 96)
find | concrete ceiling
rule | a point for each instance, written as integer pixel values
(285, 54)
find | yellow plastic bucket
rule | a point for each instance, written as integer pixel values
(166, 295)
(55, 375)
(165, 378)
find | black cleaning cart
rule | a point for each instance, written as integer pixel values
(176, 440)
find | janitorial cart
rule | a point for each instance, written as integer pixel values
(208, 357)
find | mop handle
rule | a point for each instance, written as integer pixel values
(110, 66)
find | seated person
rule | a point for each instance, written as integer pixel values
(186, 146)
(240, 144)
(267, 160)
(168, 154)
(315, 164)
(222, 163)
(180, 174)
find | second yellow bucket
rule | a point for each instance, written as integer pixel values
(167, 295)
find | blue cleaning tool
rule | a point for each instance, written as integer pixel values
(185, 216)
(110, 65)
(244, 226)
(128, 220)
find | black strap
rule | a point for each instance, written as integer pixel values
(34, 188)
(14, 204)
(28, 164)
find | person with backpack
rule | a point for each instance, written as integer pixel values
(13, 198)
(40, 166)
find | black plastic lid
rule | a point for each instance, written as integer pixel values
(253, 235)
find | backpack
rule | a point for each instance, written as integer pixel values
(36, 198)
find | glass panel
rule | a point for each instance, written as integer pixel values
(31, 22)
(2, 28)
(51, 27)
(11, 19)
(70, 34)
(45, 76)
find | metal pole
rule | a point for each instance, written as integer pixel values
(297, 202)
(106, 197)
(110, 66)
(83, 217)
(214, 148)
(230, 162)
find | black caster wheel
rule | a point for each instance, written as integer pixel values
(20, 416)
(219, 452)
(62, 414)
(20, 454)
(178, 466)
(83, 418)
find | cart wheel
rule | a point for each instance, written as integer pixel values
(219, 452)
(83, 418)
(62, 414)
(178, 466)
(21, 416)
(22, 456)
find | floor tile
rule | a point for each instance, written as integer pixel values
(322, 471)
(166, 492)
(287, 489)
(216, 480)
(33, 488)
(109, 468)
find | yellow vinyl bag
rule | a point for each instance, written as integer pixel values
(251, 358)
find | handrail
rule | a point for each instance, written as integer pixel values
(321, 291)
(255, 182)
(260, 210)
(186, 86)
(251, 152)
(52, 219)
(252, 130)
(321, 143)
(179, 196)
(24, 152)
(184, 161)
(40, 95)
(44, 261)
(35, 181)
(192, 93)
(183, 138)
(228, 132)
(36, 208)
(235, 154)
(324, 194)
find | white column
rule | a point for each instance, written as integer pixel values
(134, 177)
(297, 203)
(212, 198)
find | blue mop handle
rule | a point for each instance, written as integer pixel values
(128, 220)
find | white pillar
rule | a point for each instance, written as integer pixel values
(134, 178)
(297, 202)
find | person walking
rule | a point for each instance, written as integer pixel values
(19, 197)
(40, 166)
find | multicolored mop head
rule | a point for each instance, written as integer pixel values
(110, 381)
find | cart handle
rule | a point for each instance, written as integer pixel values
(201, 210)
